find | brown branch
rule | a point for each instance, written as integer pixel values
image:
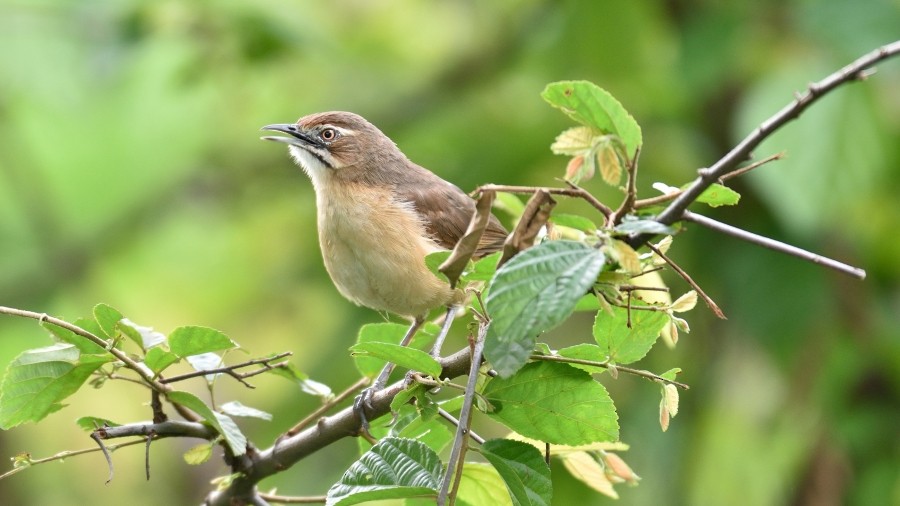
(681, 272)
(774, 245)
(231, 370)
(321, 410)
(284, 499)
(64, 455)
(855, 71)
(630, 191)
(621, 368)
(572, 191)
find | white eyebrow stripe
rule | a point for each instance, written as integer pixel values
(343, 131)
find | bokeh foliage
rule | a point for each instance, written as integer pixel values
(131, 173)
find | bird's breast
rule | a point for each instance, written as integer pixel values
(374, 247)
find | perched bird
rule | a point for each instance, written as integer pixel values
(379, 215)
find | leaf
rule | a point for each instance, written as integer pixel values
(235, 408)
(194, 340)
(392, 333)
(236, 440)
(509, 203)
(574, 221)
(38, 380)
(145, 337)
(585, 351)
(89, 423)
(483, 269)
(625, 255)
(555, 403)
(205, 362)
(717, 195)
(574, 141)
(625, 345)
(592, 106)
(434, 260)
(634, 225)
(523, 470)
(586, 469)
(668, 405)
(291, 373)
(108, 318)
(608, 162)
(157, 359)
(685, 303)
(403, 356)
(576, 171)
(481, 484)
(199, 454)
(534, 292)
(84, 345)
(394, 468)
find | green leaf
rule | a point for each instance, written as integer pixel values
(194, 340)
(523, 469)
(199, 454)
(408, 422)
(84, 345)
(108, 318)
(235, 408)
(671, 374)
(625, 345)
(484, 269)
(291, 373)
(481, 484)
(592, 106)
(394, 468)
(633, 225)
(392, 333)
(145, 337)
(157, 359)
(585, 351)
(555, 403)
(434, 260)
(717, 195)
(38, 380)
(534, 292)
(222, 423)
(403, 356)
(574, 221)
(89, 423)
(510, 203)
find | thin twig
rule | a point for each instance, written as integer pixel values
(65, 455)
(452, 419)
(284, 499)
(327, 406)
(662, 199)
(572, 191)
(684, 275)
(458, 451)
(853, 72)
(630, 191)
(109, 462)
(772, 244)
(231, 370)
(621, 368)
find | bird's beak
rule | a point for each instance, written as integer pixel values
(297, 137)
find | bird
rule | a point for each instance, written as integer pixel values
(378, 216)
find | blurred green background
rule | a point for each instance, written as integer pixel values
(131, 173)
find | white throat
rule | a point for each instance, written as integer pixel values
(314, 168)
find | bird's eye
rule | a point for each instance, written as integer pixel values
(329, 134)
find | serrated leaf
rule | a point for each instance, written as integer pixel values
(394, 468)
(626, 256)
(717, 195)
(157, 359)
(403, 356)
(586, 469)
(235, 408)
(608, 163)
(574, 141)
(592, 106)
(555, 403)
(625, 345)
(89, 423)
(522, 467)
(194, 340)
(107, 318)
(481, 484)
(199, 454)
(236, 440)
(392, 333)
(38, 380)
(534, 292)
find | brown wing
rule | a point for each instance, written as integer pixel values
(447, 211)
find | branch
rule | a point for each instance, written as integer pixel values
(620, 368)
(772, 244)
(855, 71)
(231, 370)
(572, 191)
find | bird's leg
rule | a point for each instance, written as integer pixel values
(364, 399)
(445, 328)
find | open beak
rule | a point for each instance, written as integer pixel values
(297, 136)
